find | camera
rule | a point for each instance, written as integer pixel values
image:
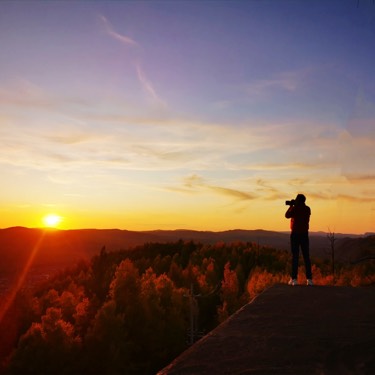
(290, 203)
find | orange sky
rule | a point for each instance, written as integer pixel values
(194, 115)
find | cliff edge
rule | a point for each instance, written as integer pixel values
(290, 330)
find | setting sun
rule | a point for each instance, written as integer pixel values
(215, 137)
(52, 220)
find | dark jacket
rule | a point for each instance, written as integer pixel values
(300, 217)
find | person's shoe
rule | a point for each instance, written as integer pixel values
(293, 282)
(309, 282)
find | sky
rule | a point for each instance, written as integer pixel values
(203, 115)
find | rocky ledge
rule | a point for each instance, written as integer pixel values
(290, 330)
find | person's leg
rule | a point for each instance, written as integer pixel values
(305, 248)
(294, 245)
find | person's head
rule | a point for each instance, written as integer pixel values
(300, 199)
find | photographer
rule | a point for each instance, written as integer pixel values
(299, 214)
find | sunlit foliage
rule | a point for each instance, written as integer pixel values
(47, 346)
(128, 312)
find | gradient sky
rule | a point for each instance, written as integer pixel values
(187, 114)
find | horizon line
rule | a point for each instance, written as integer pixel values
(50, 229)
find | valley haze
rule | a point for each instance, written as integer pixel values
(60, 248)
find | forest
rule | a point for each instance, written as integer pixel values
(133, 311)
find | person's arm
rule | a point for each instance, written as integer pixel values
(309, 213)
(289, 212)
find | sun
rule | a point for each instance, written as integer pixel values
(52, 220)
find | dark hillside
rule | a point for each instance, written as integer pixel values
(62, 247)
(354, 250)
(66, 247)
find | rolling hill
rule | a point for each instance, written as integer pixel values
(66, 247)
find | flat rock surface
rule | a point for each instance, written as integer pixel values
(290, 330)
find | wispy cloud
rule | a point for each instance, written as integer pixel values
(268, 161)
(357, 199)
(68, 139)
(145, 82)
(285, 81)
(195, 183)
(313, 193)
(26, 94)
(266, 186)
(148, 86)
(366, 178)
(261, 86)
(232, 193)
(108, 28)
(148, 143)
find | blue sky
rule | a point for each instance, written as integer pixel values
(194, 114)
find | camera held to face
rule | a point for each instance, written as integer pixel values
(290, 203)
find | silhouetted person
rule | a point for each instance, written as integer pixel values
(299, 214)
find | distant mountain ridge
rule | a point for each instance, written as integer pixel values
(65, 247)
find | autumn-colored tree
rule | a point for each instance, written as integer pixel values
(175, 273)
(229, 293)
(108, 349)
(110, 345)
(210, 271)
(128, 311)
(48, 347)
(165, 319)
(102, 269)
(260, 279)
(81, 316)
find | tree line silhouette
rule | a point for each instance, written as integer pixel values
(131, 311)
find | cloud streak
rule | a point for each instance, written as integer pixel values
(148, 86)
(196, 183)
(285, 81)
(148, 142)
(232, 193)
(25, 94)
(108, 28)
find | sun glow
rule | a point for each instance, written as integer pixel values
(52, 220)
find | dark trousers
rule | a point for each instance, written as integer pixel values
(297, 241)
